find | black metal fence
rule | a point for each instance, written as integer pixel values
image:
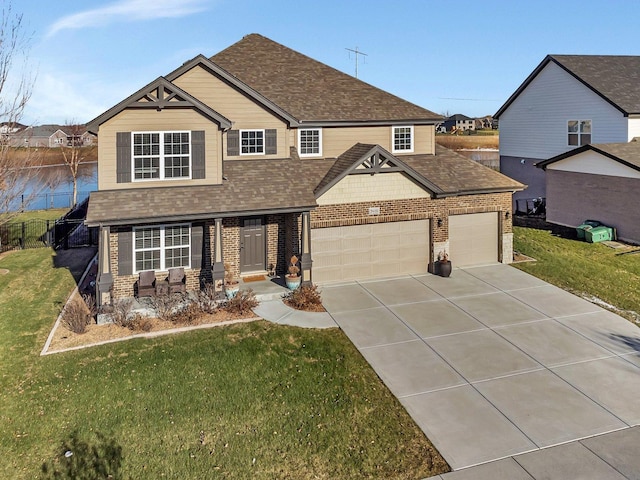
(63, 233)
(46, 201)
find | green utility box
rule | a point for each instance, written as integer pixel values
(598, 234)
(585, 227)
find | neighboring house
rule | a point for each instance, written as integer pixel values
(459, 123)
(260, 152)
(566, 102)
(50, 136)
(596, 182)
(484, 123)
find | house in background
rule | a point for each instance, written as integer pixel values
(50, 136)
(566, 102)
(597, 182)
(459, 123)
(260, 152)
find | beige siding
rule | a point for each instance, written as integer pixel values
(425, 139)
(152, 120)
(372, 188)
(234, 105)
(337, 140)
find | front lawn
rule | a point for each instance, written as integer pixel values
(251, 400)
(582, 268)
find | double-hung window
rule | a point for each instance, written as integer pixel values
(402, 139)
(251, 142)
(162, 247)
(578, 132)
(310, 142)
(161, 155)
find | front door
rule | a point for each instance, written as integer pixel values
(252, 245)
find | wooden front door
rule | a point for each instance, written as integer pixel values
(252, 245)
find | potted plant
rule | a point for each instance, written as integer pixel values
(444, 264)
(231, 283)
(292, 279)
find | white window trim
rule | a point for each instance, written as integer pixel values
(162, 246)
(161, 178)
(393, 138)
(578, 132)
(264, 141)
(319, 154)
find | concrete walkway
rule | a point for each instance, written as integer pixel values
(493, 363)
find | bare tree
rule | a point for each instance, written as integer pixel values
(18, 167)
(74, 152)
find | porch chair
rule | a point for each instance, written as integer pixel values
(147, 283)
(177, 280)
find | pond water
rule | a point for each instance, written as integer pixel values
(53, 187)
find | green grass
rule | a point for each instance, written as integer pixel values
(581, 267)
(252, 400)
(35, 226)
(50, 214)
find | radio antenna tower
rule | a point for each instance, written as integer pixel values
(357, 52)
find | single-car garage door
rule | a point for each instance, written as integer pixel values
(473, 239)
(369, 251)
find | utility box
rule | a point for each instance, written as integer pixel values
(585, 227)
(598, 234)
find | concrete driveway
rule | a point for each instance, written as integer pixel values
(492, 362)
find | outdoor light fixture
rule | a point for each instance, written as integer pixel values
(507, 215)
(439, 222)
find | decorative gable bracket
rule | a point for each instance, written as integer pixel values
(376, 163)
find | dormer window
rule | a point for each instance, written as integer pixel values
(402, 139)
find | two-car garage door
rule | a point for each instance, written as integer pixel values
(369, 251)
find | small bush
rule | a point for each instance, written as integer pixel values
(186, 314)
(166, 305)
(140, 323)
(76, 316)
(90, 302)
(241, 303)
(121, 311)
(206, 299)
(306, 297)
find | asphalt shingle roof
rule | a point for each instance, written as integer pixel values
(310, 90)
(285, 184)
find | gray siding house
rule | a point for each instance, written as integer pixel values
(566, 102)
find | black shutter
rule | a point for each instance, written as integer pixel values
(197, 154)
(123, 157)
(125, 253)
(233, 143)
(271, 141)
(196, 246)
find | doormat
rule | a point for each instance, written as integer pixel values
(254, 278)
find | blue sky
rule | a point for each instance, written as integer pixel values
(450, 57)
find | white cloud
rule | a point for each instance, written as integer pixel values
(128, 11)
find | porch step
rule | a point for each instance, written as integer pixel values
(265, 290)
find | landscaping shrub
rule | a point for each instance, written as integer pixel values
(186, 314)
(206, 299)
(76, 316)
(241, 303)
(166, 305)
(120, 311)
(140, 323)
(306, 297)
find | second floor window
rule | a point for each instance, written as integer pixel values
(579, 132)
(251, 142)
(310, 142)
(402, 139)
(161, 155)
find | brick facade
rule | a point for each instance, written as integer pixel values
(283, 231)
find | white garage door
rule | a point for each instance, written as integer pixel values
(473, 239)
(369, 251)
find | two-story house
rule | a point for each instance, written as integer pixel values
(568, 101)
(459, 123)
(260, 152)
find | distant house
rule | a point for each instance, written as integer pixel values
(459, 122)
(50, 136)
(599, 182)
(566, 102)
(484, 123)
